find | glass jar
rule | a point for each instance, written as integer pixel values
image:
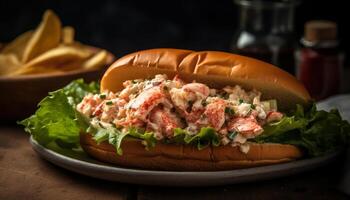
(320, 60)
(266, 31)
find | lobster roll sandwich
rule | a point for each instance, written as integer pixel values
(181, 110)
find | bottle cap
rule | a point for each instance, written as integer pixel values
(320, 30)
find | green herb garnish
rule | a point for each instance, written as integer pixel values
(232, 135)
(229, 111)
(204, 102)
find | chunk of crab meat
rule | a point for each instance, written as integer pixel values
(215, 114)
(202, 91)
(98, 110)
(120, 102)
(129, 123)
(121, 107)
(192, 92)
(179, 99)
(88, 105)
(223, 131)
(165, 120)
(259, 112)
(129, 90)
(109, 112)
(158, 79)
(236, 93)
(193, 116)
(243, 109)
(246, 126)
(273, 116)
(225, 141)
(146, 101)
(157, 131)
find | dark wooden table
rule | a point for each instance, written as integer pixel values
(24, 175)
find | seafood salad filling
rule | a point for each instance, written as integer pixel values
(163, 107)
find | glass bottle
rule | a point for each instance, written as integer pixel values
(266, 31)
(320, 60)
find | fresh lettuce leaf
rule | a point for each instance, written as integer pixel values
(205, 137)
(317, 132)
(101, 135)
(56, 118)
(111, 134)
(78, 89)
(115, 138)
(147, 137)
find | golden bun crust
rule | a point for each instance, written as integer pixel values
(173, 157)
(217, 69)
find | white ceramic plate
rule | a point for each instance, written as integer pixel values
(87, 166)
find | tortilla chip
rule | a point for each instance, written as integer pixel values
(8, 63)
(60, 55)
(56, 59)
(68, 35)
(18, 45)
(45, 37)
(97, 61)
(50, 48)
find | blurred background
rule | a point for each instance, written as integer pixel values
(127, 26)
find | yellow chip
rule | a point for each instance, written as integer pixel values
(18, 45)
(45, 37)
(68, 35)
(97, 61)
(56, 58)
(50, 48)
(8, 63)
(60, 55)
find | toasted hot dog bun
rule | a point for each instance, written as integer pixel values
(216, 69)
(175, 157)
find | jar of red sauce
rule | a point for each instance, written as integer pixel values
(319, 59)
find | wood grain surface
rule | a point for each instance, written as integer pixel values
(24, 175)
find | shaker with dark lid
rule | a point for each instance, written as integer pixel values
(319, 60)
